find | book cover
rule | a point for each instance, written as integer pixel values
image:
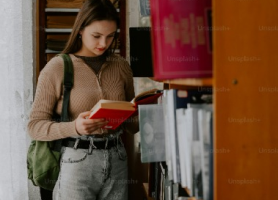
(151, 178)
(168, 156)
(170, 124)
(152, 133)
(116, 112)
(157, 180)
(184, 129)
(168, 188)
(114, 116)
(140, 51)
(172, 100)
(204, 130)
(163, 179)
(204, 115)
(181, 39)
(145, 7)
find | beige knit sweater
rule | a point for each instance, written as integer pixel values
(114, 82)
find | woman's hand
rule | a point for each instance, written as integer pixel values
(86, 126)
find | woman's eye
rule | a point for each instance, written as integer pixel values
(96, 36)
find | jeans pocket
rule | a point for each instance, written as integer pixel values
(71, 155)
(122, 152)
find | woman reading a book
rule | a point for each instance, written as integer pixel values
(93, 161)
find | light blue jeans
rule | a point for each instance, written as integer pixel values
(99, 175)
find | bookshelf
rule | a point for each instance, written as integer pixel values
(54, 21)
(246, 53)
(245, 114)
(146, 189)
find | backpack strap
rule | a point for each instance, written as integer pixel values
(68, 84)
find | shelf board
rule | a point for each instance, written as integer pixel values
(191, 82)
(53, 51)
(66, 10)
(62, 10)
(63, 30)
(58, 30)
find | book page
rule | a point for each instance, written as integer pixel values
(144, 95)
(110, 104)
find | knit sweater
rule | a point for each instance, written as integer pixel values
(114, 82)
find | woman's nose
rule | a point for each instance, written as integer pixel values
(102, 42)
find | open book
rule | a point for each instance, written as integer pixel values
(116, 112)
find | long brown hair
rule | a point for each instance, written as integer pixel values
(92, 10)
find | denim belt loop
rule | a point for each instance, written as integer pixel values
(76, 143)
(106, 143)
(121, 157)
(92, 146)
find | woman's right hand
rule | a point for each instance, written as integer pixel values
(85, 126)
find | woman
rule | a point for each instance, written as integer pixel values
(93, 162)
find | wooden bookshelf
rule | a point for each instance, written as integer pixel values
(146, 189)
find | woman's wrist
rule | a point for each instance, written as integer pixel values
(77, 130)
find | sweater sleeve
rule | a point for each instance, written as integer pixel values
(131, 125)
(41, 126)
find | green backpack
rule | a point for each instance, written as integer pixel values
(43, 157)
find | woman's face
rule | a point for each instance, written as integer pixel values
(97, 37)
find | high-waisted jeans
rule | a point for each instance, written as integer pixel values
(99, 175)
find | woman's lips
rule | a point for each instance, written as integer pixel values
(101, 49)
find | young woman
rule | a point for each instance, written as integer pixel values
(93, 162)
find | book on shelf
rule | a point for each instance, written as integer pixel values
(206, 137)
(204, 118)
(145, 7)
(185, 134)
(170, 143)
(140, 51)
(173, 100)
(151, 133)
(188, 138)
(201, 149)
(178, 191)
(116, 112)
(181, 39)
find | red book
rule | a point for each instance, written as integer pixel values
(116, 112)
(181, 38)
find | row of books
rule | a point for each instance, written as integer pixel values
(160, 187)
(178, 131)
